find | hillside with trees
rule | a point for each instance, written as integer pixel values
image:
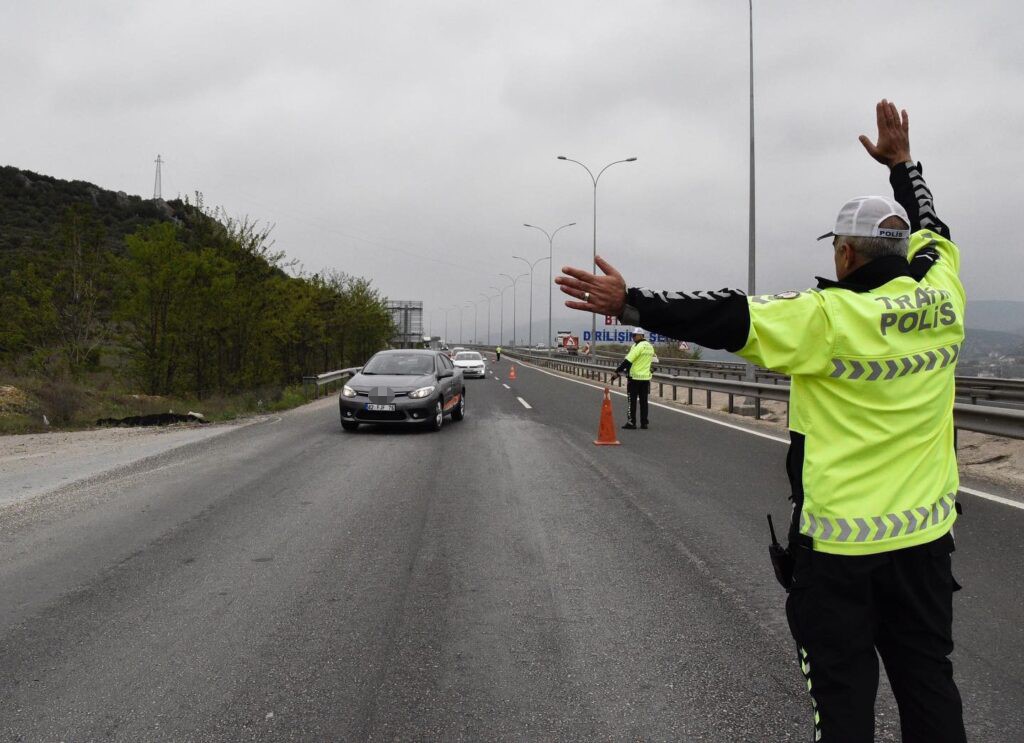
(165, 299)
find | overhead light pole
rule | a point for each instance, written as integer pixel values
(488, 298)
(446, 311)
(529, 342)
(514, 282)
(551, 262)
(750, 250)
(501, 312)
(594, 179)
(475, 314)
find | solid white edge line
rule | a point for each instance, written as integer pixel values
(660, 405)
(505, 386)
(526, 405)
(969, 491)
(995, 498)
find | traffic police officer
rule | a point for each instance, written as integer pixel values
(637, 367)
(497, 353)
(872, 357)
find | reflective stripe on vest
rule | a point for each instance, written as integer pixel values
(899, 367)
(876, 528)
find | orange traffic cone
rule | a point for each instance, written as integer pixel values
(512, 373)
(606, 428)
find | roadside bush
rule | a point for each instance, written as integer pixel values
(61, 400)
(289, 397)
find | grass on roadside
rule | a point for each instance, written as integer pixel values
(29, 405)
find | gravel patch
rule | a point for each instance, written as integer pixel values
(33, 464)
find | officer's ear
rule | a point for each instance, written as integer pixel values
(845, 258)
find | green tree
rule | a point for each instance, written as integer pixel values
(153, 277)
(81, 294)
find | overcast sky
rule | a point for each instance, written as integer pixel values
(408, 142)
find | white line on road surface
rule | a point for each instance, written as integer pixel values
(995, 498)
(505, 386)
(970, 491)
(663, 407)
(526, 405)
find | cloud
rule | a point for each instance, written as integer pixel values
(408, 142)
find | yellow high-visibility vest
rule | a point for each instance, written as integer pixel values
(872, 393)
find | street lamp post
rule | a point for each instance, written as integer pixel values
(595, 179)
(531, 265)
(475, 314)
(750, 248)
(488, 298)
(551, 261)
(446, 311)
(514, 282)
(501, 313)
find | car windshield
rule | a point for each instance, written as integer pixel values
(467, 356)
(414, 364)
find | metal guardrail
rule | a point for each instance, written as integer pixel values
(996, 391)
(757, 392)
(313, 383)
(988, 419)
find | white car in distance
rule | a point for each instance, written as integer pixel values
(471, 362)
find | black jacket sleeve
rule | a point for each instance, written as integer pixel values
(909, 188)
(624, 367)
(711, 319)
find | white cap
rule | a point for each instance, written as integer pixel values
(861, 216)
(639, 331)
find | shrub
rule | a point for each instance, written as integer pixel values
(61, 400)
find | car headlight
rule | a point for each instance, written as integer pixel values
(421, 392)
(347, 391)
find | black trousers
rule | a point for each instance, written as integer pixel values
(640, 390)
(845, 611)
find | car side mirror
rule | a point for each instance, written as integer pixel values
(445, 373)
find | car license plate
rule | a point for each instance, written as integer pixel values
(380, 407)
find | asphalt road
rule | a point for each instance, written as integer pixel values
(503, 579)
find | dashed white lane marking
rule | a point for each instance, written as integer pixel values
(505, 386)
(969, 491)
(526, 405)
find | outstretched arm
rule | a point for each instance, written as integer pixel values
(892, 149)
(713, 319)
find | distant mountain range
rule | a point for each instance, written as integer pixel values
(997, 315)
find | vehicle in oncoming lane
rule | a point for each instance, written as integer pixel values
(471, 362)
(419, 387)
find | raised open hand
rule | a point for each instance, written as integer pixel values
(893, 145)
(605, 295)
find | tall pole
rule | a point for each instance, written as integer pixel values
(595, 179)
(551, 261)
(748, 404)
(158, 189)
(531, 265)
(750, 258)
(514, 282)
(501, 313)
(475, 314)
(488, 298)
